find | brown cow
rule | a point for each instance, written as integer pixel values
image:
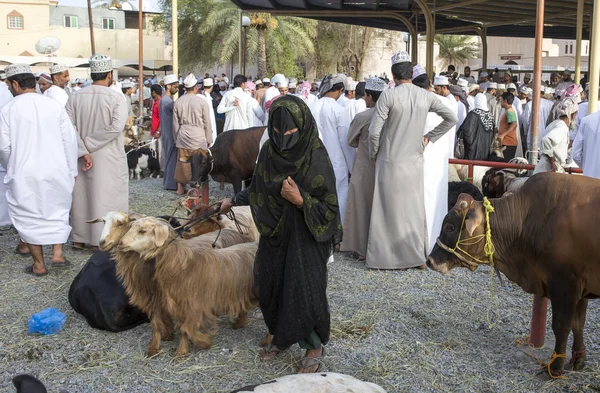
(545, 240)
(234, 155)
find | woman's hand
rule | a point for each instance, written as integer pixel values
(290, 192)
(226, 205)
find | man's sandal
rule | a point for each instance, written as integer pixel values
(308, 363)
(21, 253)
(29, 270)
(269, 352)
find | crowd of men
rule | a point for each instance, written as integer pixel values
(63, 159)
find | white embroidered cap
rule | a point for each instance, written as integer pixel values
(418, 70)
(483, 74)
(190, 81)
(375, 84)
(170, 79)
(266, 80)
(511, 86)
(492, 85)
(462, 82)
(58, 68)
(293, 85)
(126, 85)
(16, 69)
(400, 57)
(501, 86)
(283, 83)
(208, 82)
(100, 63)
(440, 80)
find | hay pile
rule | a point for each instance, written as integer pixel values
(414, 331)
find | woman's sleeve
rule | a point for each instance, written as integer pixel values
(320, 215)
(242, 198)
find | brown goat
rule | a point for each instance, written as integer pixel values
(214, 223)
(198, 284)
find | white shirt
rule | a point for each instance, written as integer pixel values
(461, 113)
(333, 123)
(213, 121)
(343, 100)
(236, 117)
(452, 104)
(586, 146)
(555, 144)
(354, 107)
(58, 94)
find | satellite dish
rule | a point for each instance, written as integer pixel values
(47, 45)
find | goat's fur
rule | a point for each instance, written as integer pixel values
(198, 284)
(242, 215)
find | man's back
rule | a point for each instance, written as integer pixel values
(191, 121)
(586, 146)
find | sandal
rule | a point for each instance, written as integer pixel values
(269, 352)
(60, 264)
(21, 253)
(29, 270)
(75, 246)
(307, 363)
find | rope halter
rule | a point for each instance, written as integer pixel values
(467, 259)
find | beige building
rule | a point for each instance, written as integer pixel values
(26, 22)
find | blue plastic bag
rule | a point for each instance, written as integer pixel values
(48, 321)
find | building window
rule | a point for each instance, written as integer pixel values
(15, 20)
(71, 21)
(108, 23)
(571, 48)
(566, 49)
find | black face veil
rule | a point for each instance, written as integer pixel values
(283, 121)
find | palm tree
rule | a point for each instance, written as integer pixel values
(114, 3)
(269, 39)
(456, 49)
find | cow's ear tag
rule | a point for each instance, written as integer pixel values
(473, 221)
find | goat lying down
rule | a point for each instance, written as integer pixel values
(197, 284)
(137, 273)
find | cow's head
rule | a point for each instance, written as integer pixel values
(204, 162)
(467, 215)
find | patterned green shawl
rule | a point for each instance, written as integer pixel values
(307, 162)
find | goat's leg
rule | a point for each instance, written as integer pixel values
(241, 320)
(184, 340)
(154, 346)
(237, 185)
(138, 172)
(168, 328)
(561, 290)
(577, 361)
(201, 340)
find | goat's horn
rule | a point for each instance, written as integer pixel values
(95, 221)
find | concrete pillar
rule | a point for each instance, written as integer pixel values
(593, 70)
(175, 34)
(580, 7)
(430, 32)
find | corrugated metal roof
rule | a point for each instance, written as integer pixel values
(509, 18)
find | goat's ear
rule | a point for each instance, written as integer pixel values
(95, 220)
(161, 234)
(474, 219)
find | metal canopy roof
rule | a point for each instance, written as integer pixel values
(508, 18)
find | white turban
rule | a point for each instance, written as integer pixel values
(190, 81)
(567, 107)
(481, 102)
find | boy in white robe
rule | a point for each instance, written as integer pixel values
(38, 148)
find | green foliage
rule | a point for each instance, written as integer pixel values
(456, 49)
(209, 33)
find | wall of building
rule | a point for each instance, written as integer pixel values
(41, 19)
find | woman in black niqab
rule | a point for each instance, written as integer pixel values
(294, 204)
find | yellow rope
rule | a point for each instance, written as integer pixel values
(554, 357)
